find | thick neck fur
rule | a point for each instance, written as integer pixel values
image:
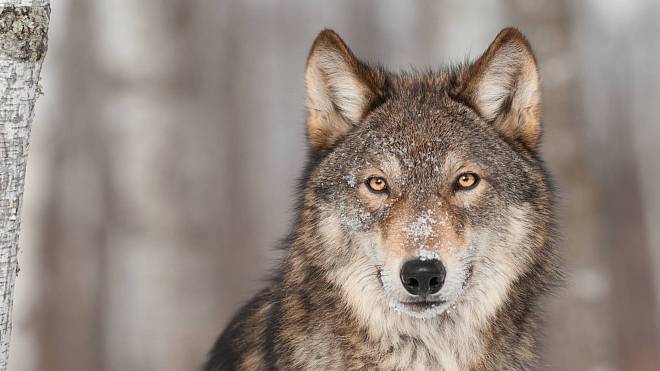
(339, 305)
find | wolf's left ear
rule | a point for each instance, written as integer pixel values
(340, 90)
(503, 86)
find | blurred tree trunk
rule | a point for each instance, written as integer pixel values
(71, 306)
(615, 100)
(23, 43)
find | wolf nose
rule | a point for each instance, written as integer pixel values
(423, 277)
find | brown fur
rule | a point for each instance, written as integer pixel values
(336, 301)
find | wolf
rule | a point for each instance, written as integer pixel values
(425, 236)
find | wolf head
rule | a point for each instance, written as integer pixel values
(426, 191)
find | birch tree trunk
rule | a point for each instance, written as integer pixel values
(23, 43)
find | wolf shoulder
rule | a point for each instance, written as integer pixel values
(244, 344)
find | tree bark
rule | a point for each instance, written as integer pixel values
(23, 44)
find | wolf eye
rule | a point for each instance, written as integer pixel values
(466, 181)
(376, 184)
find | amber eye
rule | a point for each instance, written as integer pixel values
(466, 181)
(376, 184)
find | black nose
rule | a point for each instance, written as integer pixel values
(423, 277)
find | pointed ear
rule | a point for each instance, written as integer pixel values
(503, 86)
(340, 90)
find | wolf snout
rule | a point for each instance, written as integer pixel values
(423, 277)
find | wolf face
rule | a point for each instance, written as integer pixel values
(424, 237)
(429, 193)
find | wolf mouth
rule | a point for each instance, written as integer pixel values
(423, 305)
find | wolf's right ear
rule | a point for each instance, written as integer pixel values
(340, 90)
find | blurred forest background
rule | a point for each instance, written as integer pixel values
(167, 145)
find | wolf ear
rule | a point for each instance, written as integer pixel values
(340, 89)
(503, 86)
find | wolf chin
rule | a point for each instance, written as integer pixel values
(424, 238)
